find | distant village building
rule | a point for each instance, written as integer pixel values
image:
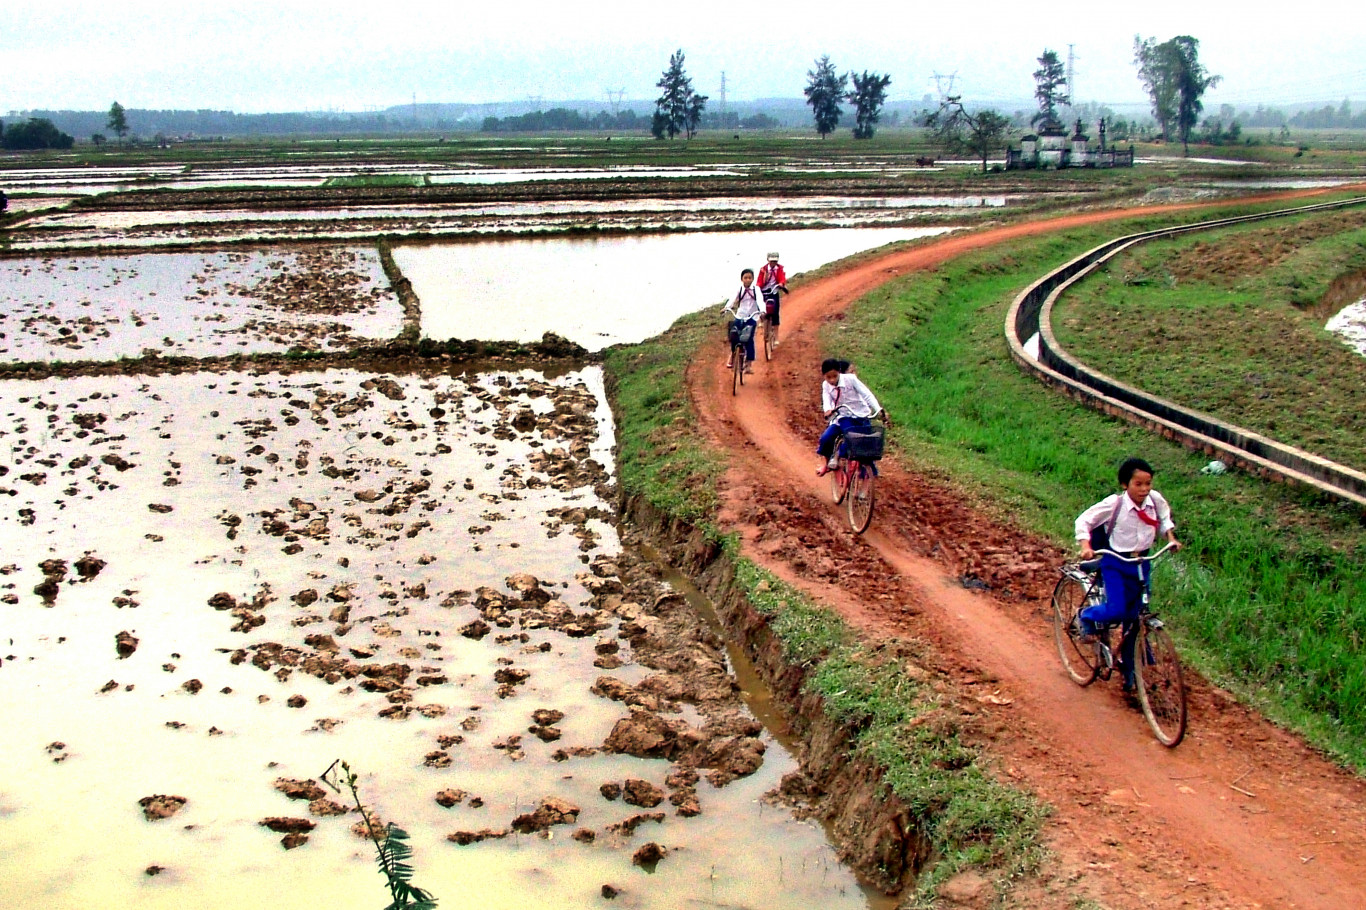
(1054, 148)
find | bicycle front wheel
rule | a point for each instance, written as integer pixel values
(768, 338)
(1161, 687)
(839, 482)
(862, 486)
(1079, 660)
(737, 376)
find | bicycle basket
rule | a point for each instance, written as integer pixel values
(865, 443)
(746, 333)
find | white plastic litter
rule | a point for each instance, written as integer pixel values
(1214, 467)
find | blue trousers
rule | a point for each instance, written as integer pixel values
(1124, 585)
(736, 328)
(826, 446)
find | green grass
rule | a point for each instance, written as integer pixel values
(1268, 599)
(1230, 323)
(970, 818)
(659, 453)
(380, 180)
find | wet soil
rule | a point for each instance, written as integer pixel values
(416, 571)
(1242, 814)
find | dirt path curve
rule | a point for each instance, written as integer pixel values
(1240, 815)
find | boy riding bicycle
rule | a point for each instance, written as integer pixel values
(846, 402)
(772, 282)
(1127, 522)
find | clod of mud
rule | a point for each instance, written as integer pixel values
(642, 793)
(609, 892)
(293, 839)
(300, 789)
(648, 856)
(125, 643)
(450, 797)
(155, 808)
(464, 838)
(88, 566)
(552, 811)
(285, 825)
(627, 827)
(326, 807)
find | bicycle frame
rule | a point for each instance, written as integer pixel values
(1156, 668)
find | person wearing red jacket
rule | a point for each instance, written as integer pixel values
(772, 281)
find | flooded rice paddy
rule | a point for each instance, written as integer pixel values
(215, 584)
(603, 291)
(90, 180)
(70, 231)
(1349, 324)
(193, 304)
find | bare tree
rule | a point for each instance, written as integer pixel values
(979, 132)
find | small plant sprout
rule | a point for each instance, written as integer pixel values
(392, 851)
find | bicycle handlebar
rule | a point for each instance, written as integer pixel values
(880, 412)
(1135, 559)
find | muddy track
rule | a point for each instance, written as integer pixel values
(1242, 814)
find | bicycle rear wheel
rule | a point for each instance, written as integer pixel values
(768, 338)
(737, 376)
(1161, 687)
(862, 486)
(1079, 660)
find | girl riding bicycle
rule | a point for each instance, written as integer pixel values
(1131, 521)
(746, 306)
(845, 402)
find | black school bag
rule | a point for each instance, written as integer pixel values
(1100, 534)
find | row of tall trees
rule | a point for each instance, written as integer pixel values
(679, 109)
(826, 90)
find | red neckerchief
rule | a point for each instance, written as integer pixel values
(1144, 517)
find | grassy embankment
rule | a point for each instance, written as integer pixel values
(1269, 598)
(970, 817)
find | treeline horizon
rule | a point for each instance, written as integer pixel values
(149, 124)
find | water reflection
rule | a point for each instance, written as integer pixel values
(603, 291)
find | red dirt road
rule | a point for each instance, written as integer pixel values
(1241, 814)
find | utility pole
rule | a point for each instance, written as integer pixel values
(939, 84)
(414, 108)
(723, 99)
(1071, 74)
(614, 99)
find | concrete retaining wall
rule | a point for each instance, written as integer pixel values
(1031, 313)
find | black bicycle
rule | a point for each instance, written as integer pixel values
(739, 364)
(1157, 668)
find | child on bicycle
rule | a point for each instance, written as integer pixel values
(772, 282)
(1127, 522)
(747, 305)
(845, 402)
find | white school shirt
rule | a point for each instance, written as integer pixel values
(747, 302)
(1130, 533)
(850, 393)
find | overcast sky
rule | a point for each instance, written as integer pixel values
(293, 55)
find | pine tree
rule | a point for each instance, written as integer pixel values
(824, 92)
(867, 96)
